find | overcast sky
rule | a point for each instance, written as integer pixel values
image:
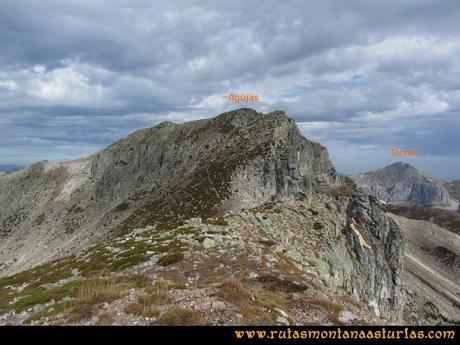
(360, 77)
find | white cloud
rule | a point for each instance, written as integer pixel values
(352, 74)
(63, 85)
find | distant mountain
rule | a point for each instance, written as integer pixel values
(402, 184)
(454, 188)
(9, 168)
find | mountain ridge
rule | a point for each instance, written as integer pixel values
(239, 159)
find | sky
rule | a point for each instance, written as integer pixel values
(360, 77)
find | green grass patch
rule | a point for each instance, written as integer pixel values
(170, 259)
(318, 226)
(187, 230)
(216, 221)
(137, 280)
(44, 296)
(129, 261)
(181, 317)
(158, 298)
(58, 308)
(121, 207)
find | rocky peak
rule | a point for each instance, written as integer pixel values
(400, 169)
(401, 183)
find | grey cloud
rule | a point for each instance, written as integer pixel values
(77, 75)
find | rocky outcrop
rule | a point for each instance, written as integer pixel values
(378, 244)
(402, 184)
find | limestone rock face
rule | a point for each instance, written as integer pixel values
(379, 247)
(402, 184)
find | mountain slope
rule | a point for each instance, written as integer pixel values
(402, 184)
(289, 262)
(432, 269)
(161, 175)
(447, 219)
